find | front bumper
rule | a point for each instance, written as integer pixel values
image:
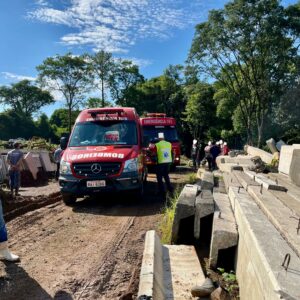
(72, 185)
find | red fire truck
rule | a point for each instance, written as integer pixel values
(104, 153)
(154, 123)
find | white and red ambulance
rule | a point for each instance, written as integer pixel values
(103, 154)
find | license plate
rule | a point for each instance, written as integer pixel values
(95, 183)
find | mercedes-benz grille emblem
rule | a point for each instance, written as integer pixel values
(96, 168)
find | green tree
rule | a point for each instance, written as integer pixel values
(102, 64)
(93, 102)
(24, 97)
(123, 79)
(200, 109)
(44, 128)
(15, 124)
(249, 45)
(68, 74)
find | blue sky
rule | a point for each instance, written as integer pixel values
(153, 33)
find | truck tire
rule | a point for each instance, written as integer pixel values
(139, 193)
(69, 199)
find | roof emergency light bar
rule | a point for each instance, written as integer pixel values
(106, 112)
(156, 115)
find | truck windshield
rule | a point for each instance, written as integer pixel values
(151, 133)
(104, 133)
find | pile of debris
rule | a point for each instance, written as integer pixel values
(35, 168)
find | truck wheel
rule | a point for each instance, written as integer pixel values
(69, 199)
(145, 175)
(139, 193)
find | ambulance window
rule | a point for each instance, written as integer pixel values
(104, 133)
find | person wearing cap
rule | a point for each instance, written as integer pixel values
(14, 160)
(195, 153)
(57, 157)
(4, 252)
(164, 160)
(215, 151)
(225, 149)
(208, 155)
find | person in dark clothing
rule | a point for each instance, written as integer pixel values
(208, 156)
(57, 157)
(164, 156)
(195, 154)
(215, 152)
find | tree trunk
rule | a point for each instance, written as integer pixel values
(102, 91)
(70, 117)
(260, 127)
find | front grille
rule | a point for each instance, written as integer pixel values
(85, 169)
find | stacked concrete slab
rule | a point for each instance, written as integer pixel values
(265, 156)
(204, 206)
(185, 207)
(224, 232)
(168, 271)
(261, 253)
(289, 162)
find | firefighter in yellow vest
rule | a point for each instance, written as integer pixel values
(164, 160)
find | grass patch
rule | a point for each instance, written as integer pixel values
(192, 178)
(165, 226)
(168, 212)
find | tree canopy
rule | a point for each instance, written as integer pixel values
(24, 97)
(68, 74)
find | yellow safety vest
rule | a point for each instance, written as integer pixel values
(164, 152)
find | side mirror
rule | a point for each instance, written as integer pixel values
(63, 143)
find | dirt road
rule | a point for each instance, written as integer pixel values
(90, 251)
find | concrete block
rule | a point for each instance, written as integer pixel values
(230, 180)
(238, 160)
(266, 182)
(204, 206)
(33, 163)
(48, 166)
(207, 181)
(261, 251)
(245, 180)
(285, 159)
(295, 167)
(224, 232)
(185, 207)
(279, 214)
(168, 271)
(272, 145)
(221, 187)
(265, 156)
(292, 189)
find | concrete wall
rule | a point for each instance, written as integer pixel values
(261, 251)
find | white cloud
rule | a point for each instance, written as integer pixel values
(142, 63)
(16, 77)
(41, 2)
(116, 25)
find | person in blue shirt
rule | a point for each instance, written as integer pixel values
(14, 160)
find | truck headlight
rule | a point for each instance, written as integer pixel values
(131, 165)
(65, 168)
